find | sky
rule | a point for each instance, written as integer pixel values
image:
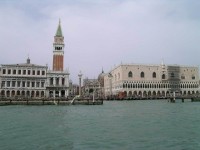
(101, 34)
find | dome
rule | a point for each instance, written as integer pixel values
(101, 75)
(101, 78)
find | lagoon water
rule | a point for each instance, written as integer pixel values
(115, 125)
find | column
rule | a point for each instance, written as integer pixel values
(66, 93)
(80, 75)
(54, 93)
(58, 93)
(46, 93)
(54, 81)
(60, 81)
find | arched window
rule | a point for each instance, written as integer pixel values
(130, 74)
(57, 81)
(193, 77)
(154, 75)
(182, 76)
(142, 74)
(124, 85)
(163, 76)
(63, 81)
(51, 81)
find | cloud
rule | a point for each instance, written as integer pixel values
(101, 33)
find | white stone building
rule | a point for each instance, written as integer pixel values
(151, 80)
(23, 80)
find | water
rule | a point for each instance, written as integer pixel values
(122, 125)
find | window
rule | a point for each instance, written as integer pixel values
(23, 84)
(63, 81)
(130, 74)
(24, 72)
(28, 84)
(142, 74)
(163, 76)
(33, 72)
(42, 84)
(29, 72)
(19, 71)
(4, 71)
(38, 84)
(154, 75)
(8, 83)
(193, 77)
(18, 83)
(9, 71)
(57, 81)
(51, 81)
(3, 83)
(172, 75)
(14, 71)
(13, 83)
(38, 72)
(182, 77)
(33, 84)
(43, 72)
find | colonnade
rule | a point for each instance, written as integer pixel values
(23, 93)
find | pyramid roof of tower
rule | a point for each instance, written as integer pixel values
(59, 30)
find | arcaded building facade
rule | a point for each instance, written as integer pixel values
(23, 80)
(151, 80)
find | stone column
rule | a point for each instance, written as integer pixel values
(66, 93)
(60, 81)
(46, 93)
(59, 93)
(80, 76)
(54, 80)
(66, 81)
(54, 94)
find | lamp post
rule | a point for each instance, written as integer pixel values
(80, 76)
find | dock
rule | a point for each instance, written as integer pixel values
(61, 102)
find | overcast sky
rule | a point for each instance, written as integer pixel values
(101, 33)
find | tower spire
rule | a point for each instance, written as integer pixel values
(59, 30)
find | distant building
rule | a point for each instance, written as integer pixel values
(23, 80)
(132, 80)
(90, 87)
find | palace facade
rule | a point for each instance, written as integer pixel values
(31, 80)
(24, 80)
(136, 80)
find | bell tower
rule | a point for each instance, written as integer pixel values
(58, 50)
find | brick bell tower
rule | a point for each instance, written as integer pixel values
(58, 50)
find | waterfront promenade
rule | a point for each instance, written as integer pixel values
(57, 101)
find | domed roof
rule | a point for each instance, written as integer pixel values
(101, 75)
